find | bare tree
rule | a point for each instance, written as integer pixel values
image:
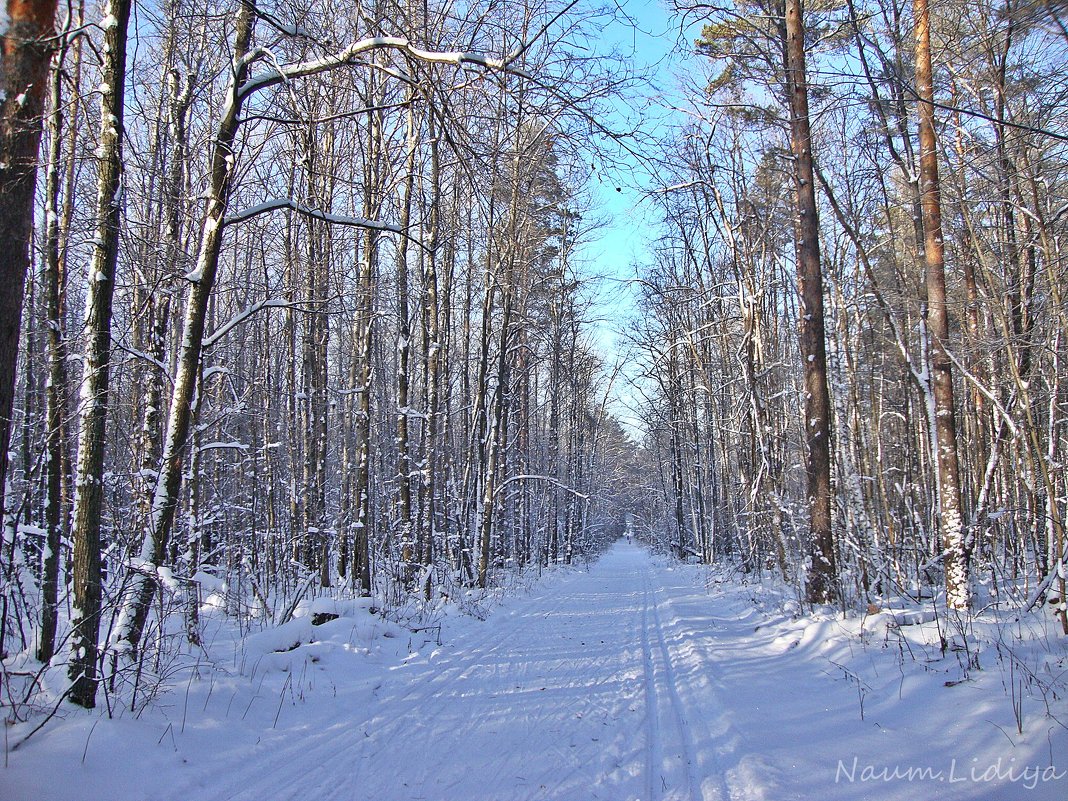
(93, 396)
(27, 48)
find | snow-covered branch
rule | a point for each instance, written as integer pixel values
(535, 477)
(224, 446)
(148, 357)
(349, 55)
(240, 317)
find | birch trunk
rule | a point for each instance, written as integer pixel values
(165, 497)
(57, 385)
(432, 322)
(363, 347)
(406, 533)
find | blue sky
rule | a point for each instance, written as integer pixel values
(650, 37)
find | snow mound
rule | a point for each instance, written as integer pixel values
(348, 626)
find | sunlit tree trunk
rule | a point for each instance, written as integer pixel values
(26, 51)
(945, 447)
(822, 578)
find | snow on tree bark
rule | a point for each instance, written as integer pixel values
(93, 396)
(941, 378)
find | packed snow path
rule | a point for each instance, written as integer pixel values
(632, 682)
(580, 692)
(640, 680)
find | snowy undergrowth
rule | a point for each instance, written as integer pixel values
(1009, 670)
(893, 701)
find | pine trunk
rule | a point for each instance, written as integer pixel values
(26, 52)
(822, 576)
(945, 424)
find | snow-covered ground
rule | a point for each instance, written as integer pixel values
(640, 680)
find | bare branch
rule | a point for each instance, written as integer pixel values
(308, 211)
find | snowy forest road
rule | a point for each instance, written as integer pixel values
(638, 680)
(586, 690)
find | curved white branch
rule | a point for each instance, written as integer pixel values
(350, 53)
(535, 477)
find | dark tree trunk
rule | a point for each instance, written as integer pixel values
(822, 576)
(26, 52)
(93, 399)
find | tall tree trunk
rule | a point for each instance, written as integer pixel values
(822, 578)
(180, 98)
(89, 490)
(364, 344)
(945, 425)
(26, 49)
(56, 391)
(431, 466)
(496, 415)
(405, 523)
(363, 338)
(319, 170)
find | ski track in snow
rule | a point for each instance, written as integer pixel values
(407, 700)
(574, 695)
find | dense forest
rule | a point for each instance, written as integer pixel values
(296, 302)
(855, 321)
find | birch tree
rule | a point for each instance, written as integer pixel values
(59, 193)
